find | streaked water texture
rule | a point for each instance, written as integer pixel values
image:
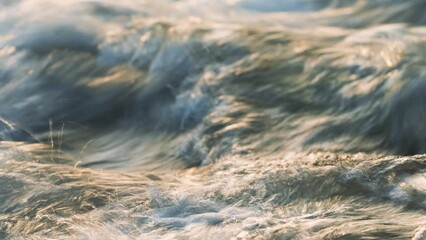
(199, 119)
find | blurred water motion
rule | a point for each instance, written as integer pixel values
(196, 119)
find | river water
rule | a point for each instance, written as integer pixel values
(199, 119)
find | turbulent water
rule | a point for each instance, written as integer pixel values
(201, 119)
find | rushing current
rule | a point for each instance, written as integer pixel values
(202, 119)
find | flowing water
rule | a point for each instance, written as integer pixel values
(201, 119)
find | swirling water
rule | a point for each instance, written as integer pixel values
(197, 119)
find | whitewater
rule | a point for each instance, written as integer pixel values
(200, 119)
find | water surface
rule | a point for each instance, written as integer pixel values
(196, 119)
